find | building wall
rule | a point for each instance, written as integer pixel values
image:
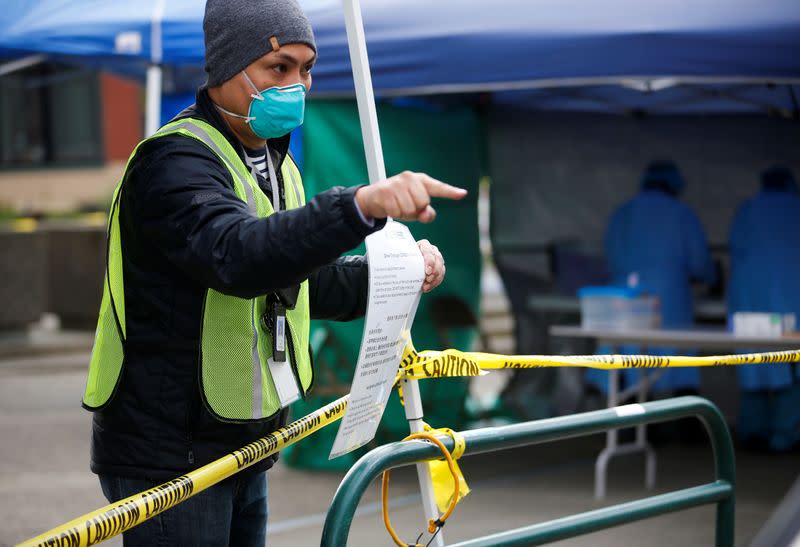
(53, 189)
(39, 191)
(123, 116)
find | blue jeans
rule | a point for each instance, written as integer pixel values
(233, 512)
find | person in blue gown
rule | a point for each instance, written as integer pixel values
(656, 243)
(765, 277)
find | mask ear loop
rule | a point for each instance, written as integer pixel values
(247, 119)
(257, 94)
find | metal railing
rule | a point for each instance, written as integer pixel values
(721, 491)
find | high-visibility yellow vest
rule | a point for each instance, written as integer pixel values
(234, 345)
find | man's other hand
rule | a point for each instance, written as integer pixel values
(434, 265)
(406, 196)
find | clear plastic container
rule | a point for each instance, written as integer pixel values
(618, 308)
(771, 325)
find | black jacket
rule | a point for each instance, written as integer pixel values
(183, 229)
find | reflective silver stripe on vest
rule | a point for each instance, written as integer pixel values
(294, 185)
(248, 190)
(253, 173)
(251, 205)
(257, 380)
(208, 141)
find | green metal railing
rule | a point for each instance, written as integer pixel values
(721, 491)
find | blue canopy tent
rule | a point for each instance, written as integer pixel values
(617, 53)
(660, 56)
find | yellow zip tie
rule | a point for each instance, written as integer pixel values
(443, 484)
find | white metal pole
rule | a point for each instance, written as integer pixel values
(414, 415)
(364, 95)
(377, 171)
(152, 120)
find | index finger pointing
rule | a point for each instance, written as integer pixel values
(439, 189)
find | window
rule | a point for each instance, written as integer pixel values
(50, 117)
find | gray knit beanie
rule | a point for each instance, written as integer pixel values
(237, 32)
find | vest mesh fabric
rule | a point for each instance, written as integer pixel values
(236, 381)
(102, 380)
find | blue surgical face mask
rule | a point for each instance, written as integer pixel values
(275, 111)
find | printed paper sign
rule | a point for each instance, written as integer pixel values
(396, 273)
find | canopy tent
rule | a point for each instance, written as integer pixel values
(628, 56)
(448, 46)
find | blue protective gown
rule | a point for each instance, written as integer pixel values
(765, 270)
(765, 276)
(662, 241)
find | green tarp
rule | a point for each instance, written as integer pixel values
(447, 145)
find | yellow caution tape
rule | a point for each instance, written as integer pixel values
(115, 518)
(444, 484)
(452, 363)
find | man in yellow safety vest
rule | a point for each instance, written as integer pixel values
(216, 265)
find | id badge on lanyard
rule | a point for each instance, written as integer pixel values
(279, 366)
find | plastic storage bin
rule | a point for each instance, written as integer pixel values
(618, 308)
(772, 325)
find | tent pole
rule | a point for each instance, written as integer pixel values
(24, 62)
(377, 171)
(153, 100)
(364, 93)
(152, 120)
(548, 83)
